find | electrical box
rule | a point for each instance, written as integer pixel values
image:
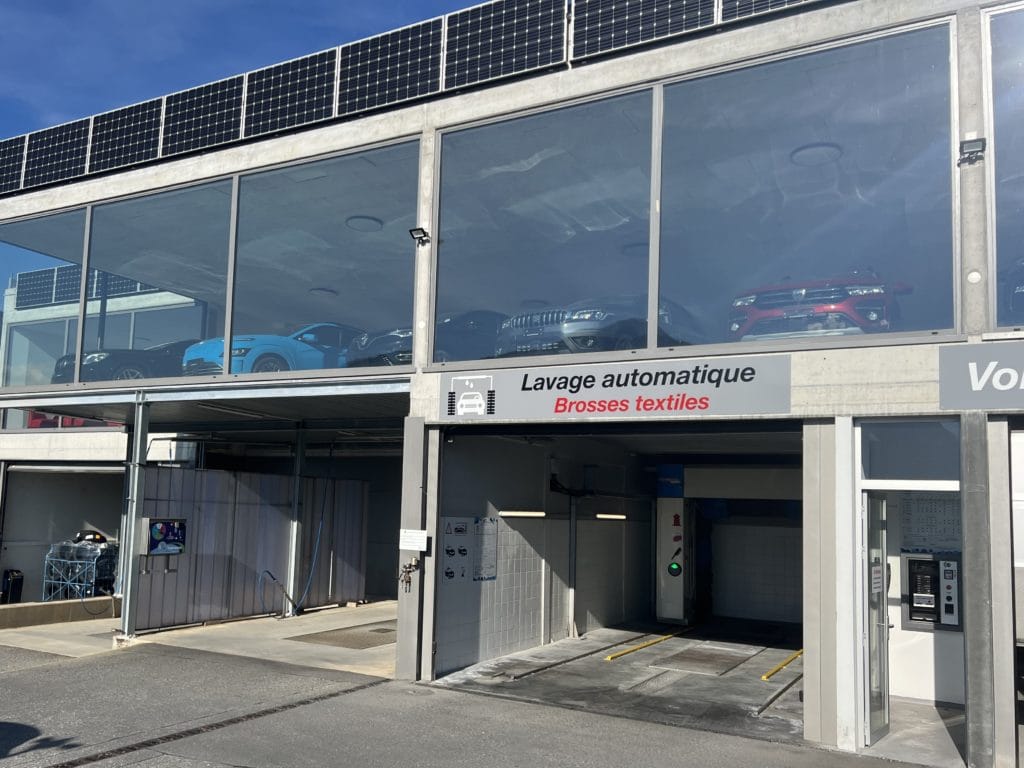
(930, 591)
(674, 579)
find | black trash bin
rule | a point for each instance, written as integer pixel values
(10, 588)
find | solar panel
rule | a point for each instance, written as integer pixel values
(12, 156)
(35, 289)
(55, 154)
(504, 38)
(68, 284)
(294, 93)
(125, 136)
(741, 9)
(203, 117)
(391, 68)
(607, 25)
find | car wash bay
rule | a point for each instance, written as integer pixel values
(680, 590)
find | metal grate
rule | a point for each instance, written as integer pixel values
(607, 25)
(391, 68)
(56, 154)
(504, 38)
(294, 93)
(203, 117)
(125, 136)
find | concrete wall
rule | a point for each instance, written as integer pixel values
(43, 508)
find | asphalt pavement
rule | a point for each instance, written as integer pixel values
(161, 706)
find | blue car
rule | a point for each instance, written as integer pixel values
(321, 345)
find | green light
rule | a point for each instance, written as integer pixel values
(674, 569)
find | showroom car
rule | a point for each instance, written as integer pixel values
(459, 336)
(854, 303)
(595, 325)
(156, 362)
(320, 345)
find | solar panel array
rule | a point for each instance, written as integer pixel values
(504, 38)
(609, 25)
(488, 42)
(295, 93)
(390, 68)
(61, 285)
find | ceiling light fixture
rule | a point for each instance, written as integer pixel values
(522, 513)
(816, 153)
(609, 516)
(364, 223)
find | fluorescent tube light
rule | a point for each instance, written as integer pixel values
(608, 516)
(521, 513)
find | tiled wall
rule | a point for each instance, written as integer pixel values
(758, 571)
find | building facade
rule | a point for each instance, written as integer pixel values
(505, 291)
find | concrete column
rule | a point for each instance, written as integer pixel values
(136, 498)
(832, 599)
(1003, 634)
(410, 602)
(977, 589)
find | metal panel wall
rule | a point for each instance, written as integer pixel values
(338, 574)
(237, 527)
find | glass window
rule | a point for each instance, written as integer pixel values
(325, 265)
(41, 268)
(1008, 144)
(157, 282)
(911, 450)
(544, 230)
(811, 197)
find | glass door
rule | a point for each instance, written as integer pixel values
(876, 621)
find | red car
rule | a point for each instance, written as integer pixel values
(858, 302)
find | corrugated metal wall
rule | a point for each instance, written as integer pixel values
(238, 527)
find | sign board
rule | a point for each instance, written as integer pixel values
(982, 376)
(166, 537)
(412, 540)
(657, 389)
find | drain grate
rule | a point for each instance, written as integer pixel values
(356, 638)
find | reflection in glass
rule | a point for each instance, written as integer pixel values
(911, 450)
(1008, 109)
(325, 262)
(811, 197)
(157, 283)
(40, 264)
(544, 234)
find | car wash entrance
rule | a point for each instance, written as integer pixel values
(651, 571)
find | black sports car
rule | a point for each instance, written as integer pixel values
(163, 360)
(463, 336)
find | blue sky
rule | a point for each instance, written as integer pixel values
(65, 59)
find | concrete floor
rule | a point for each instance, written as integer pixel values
(924, 733)
(265, 638)
(707, 682)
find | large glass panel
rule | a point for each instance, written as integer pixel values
(157, 283)
(811, 197)
(41, 268)
(1008, 108)
(325, 261)
(911, 450)
(544, 232)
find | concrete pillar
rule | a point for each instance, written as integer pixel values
(136, 499)
(977, 590)
(291, 579)
(410, 598)
(1003, 633)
